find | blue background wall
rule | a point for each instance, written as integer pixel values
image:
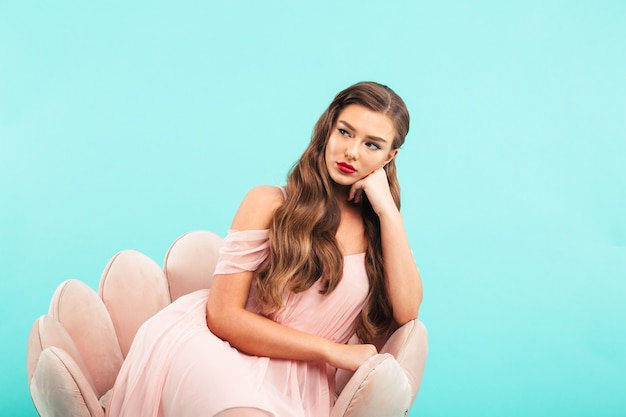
(125, 125)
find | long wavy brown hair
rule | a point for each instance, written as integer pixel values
(303, 247)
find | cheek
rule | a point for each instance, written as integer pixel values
(331, 147)
(374, 162)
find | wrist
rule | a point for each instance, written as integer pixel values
(389, 213)
(328, 351)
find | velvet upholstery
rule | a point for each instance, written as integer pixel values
(59, 388)
(399, 366)
(81, 312)
(379, 388)
(47, 332)
(190, 262)
(74, 353)
(133, 288)
(409, 346)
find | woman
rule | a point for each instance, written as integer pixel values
(302, 269)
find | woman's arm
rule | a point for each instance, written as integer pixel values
(404, 284)
(256, 335)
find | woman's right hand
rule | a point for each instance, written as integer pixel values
(350, 357)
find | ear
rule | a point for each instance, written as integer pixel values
(391, 155)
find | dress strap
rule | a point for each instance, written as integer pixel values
(284, 190)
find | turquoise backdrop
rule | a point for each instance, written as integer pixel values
(125, 124)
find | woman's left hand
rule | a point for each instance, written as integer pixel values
(376, 187)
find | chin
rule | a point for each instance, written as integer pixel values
(344, 182)
(342, 179)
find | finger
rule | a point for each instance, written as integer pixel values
(355, 190)
(351, 193)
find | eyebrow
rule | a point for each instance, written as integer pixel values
(374, 138)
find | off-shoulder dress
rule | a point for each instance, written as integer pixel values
(177, 368)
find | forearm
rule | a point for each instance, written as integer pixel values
(404, 284)
(259, 336)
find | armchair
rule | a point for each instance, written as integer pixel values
(75, 352)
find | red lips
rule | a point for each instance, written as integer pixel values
(346, 167)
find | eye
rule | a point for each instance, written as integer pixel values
(343, 132)
(372, 145)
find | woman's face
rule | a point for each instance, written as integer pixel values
(359, 143)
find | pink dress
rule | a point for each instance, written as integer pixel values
(177, 368)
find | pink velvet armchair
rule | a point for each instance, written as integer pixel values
(75, 351)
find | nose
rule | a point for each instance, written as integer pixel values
(352, 151)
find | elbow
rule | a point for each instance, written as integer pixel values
(218, 320)
(212, 319)
(406, 316)
(408, 313)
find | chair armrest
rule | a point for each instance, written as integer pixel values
(387, 383)
(379, 388)
(409, 345)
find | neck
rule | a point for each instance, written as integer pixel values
(341, 193)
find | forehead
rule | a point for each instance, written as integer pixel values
(367, 122)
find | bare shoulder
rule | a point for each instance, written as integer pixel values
(258, 207)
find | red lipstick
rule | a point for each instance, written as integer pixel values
(346, 167)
